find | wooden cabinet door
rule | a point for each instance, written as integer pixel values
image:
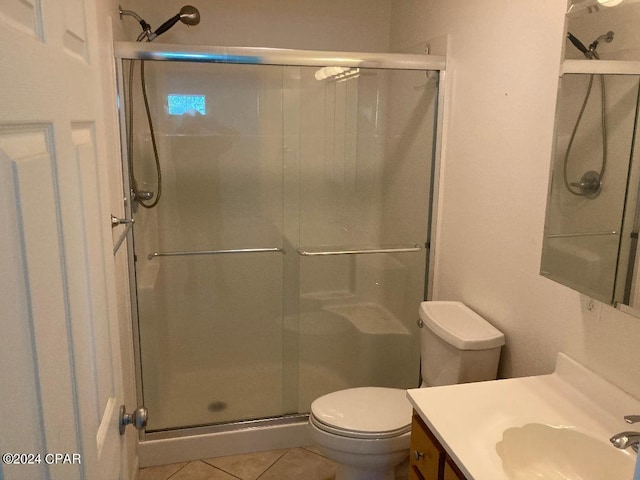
(451, 473)
(429, 460)
(426, 456)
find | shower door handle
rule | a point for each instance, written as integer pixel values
(115, 221)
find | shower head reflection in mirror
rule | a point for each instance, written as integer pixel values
(189, 15)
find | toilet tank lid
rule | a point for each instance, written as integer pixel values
(460, 326)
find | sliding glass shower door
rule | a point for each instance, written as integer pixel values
(362, 144)
(286, 256)
(209, 266)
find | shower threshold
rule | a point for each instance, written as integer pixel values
(194, 443)
(226, 427)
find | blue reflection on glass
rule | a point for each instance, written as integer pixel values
(207, 57)
(181, 104)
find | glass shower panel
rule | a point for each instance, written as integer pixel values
(210, 312)
(359, 143)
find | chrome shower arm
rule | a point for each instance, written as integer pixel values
(145, 26)
(130, 13)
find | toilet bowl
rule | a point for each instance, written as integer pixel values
(366, 430)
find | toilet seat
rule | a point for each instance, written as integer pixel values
(365, 412)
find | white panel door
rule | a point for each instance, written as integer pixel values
(60, 378)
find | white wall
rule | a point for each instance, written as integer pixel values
(356, 25)
(502, 77)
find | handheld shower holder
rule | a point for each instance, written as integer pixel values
(589, 185)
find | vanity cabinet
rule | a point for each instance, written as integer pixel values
(429, 461)
(451, 472)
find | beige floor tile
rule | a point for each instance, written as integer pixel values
(201, 471)
(161, 472)
(249, 466)
(299, 463)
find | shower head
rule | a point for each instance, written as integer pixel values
(577, 43)
(591, 52)
(188, 15)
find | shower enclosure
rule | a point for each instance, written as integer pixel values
(288, 253)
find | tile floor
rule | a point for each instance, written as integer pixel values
(294, 463)
(291, 464)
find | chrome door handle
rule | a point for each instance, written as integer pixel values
(138, 418)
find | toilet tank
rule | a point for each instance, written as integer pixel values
(457, 345)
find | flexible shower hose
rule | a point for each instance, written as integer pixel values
(134, 183)
(575, 130)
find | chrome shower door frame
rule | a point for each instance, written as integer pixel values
(125, 51)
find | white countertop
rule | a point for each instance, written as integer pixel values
(469, 419)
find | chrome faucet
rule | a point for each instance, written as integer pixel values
(632, 418)
(627, 439)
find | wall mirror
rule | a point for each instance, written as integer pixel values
(593, 210)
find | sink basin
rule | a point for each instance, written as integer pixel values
(544, 427)
(538, 451)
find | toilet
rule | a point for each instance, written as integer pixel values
(366, 430)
